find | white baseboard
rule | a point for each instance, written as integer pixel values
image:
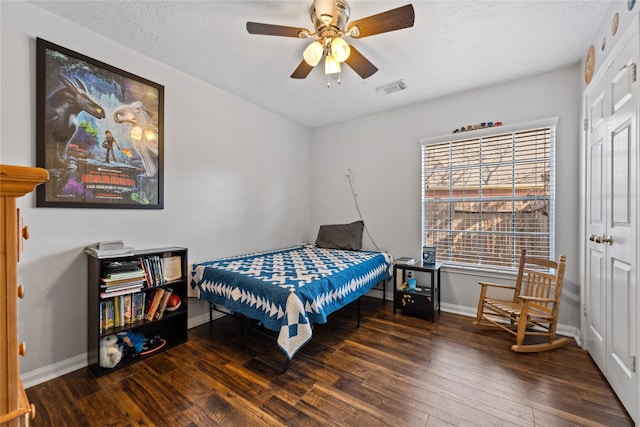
(55, 370)
(564, 330)
(203, 318)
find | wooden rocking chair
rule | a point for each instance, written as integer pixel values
(533, 309)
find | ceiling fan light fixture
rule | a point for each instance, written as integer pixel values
(340, 50)
(331, 66)
(330, 19)
(313, 53)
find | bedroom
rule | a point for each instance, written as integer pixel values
(252, 187)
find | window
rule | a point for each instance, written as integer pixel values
(489, 194)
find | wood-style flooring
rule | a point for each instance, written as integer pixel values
(394, 370)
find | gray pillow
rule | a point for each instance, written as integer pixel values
(341, 236)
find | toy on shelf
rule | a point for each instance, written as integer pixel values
(482, 125)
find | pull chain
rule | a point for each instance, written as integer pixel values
(329, 79)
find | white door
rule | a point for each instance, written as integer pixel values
(611, 224)
(595, 283)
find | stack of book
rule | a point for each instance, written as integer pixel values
(109, 249)
(123, 277)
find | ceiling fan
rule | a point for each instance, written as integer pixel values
(329, 18)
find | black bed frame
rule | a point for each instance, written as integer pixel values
(247, 323)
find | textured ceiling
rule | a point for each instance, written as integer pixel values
(454, 46)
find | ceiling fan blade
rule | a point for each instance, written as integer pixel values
(391, 20)
(275, 30)
(302, 71)
(360, 64)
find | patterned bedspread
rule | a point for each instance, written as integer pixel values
(288, 290)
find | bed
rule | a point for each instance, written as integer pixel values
(288, 290)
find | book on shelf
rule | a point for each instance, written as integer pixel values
(102, 318)
(108, 314)
(153, 305)
(120, 303)
(113, 287)
(122, 310)
(406, 260)
(114, 283)
(157, 270)
(114, 267)
(172, 268)
(136, 274)
(111, 244)
(152, 267)
(138, 306)
(116, 312)
(120, 292)
(127, 309)
(108, 253)
(163, 303)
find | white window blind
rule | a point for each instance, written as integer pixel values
(487, 197)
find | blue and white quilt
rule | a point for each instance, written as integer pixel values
(290, 289)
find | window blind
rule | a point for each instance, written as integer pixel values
(487, 197)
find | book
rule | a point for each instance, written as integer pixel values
(121, 266)
(122, 283)
(405, 260)
(108, 315)
(138, 306)
(108, 253)
(128, 308)
(111, 244)
(163, 303)
(172, 267)
(102, 316)
(136, 274)
(153, 306)
(116, 311)
(154, 268)
(120, 292)
(113, 283)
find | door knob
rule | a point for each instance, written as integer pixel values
(606, 239)
(601, 239)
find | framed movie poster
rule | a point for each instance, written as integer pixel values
(99, 133)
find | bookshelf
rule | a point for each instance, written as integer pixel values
(122, 289)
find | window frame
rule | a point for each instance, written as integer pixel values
(551, 123)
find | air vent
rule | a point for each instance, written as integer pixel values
(392, 87)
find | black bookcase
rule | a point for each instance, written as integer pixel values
(159, 334)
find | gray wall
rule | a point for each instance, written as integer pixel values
(236, 180)
(383, 151)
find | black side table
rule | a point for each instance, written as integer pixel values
(424, 301)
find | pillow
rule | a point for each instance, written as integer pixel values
(341, 236)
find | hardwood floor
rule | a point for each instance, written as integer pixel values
(393, 370)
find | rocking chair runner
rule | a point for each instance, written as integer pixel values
(533, 310)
